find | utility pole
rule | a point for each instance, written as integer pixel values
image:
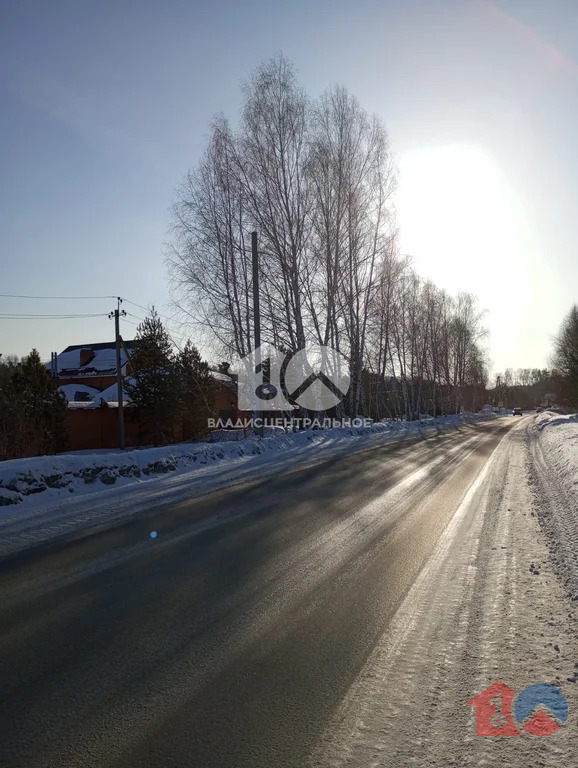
(256, 318)
(117, 315)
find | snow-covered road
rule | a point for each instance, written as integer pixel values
(486, 607)
(339, 614)
(49, 497)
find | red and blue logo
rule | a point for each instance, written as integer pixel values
(540, 709)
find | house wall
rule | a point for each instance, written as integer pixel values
(225, 402)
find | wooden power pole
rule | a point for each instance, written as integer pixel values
(256, 318)
(117, 315)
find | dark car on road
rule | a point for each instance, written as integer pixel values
(517, 412)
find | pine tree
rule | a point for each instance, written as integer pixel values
(154, 387)
(8, 409)
(197, 390)
(224, 367)
(44, 407)
(33, 410)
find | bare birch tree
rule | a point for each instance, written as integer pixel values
(315, 178)
(209, 258)
(272, 164)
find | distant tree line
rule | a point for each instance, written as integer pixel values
(315, 178)
(528, 387)
(524, 377)
(524, 387)
(32, 410)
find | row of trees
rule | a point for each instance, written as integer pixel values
(523, 377)
(528, 387)
(565, 357)
(32, 410)
(524, 387)
(174, 390)
(315, 178)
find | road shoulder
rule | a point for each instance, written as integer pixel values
(489, 606)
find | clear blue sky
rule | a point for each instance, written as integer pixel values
(106, 105)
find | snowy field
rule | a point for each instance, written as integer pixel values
(48, 496)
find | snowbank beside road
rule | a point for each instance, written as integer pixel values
(48, 496)
(554, 472)
(53, 477)
(558, 436)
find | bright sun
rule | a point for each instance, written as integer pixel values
(458, 216)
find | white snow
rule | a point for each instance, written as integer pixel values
(218, 376)
(103, 360)
(486, 606)
(559, 443)
(70, 391)
(110, 395)
(553, 451)
(46, 496)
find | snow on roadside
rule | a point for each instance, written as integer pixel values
(559, 443)
(553, 467)
(52, 477)
(45, 497)
(486, 606)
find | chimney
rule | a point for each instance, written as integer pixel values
(86, 355)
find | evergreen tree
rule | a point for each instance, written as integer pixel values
(8, 409)
(224, 367)
(32, 410)
(154, 386)
(197, 389)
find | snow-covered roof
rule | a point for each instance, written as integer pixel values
(224, 380)
(110, 395)
(102, 362)
(78, 392)
(218, 376)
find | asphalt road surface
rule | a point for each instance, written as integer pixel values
(232, 638)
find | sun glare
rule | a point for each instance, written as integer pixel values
(458, 216)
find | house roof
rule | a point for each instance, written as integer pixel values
(78, 392)
(224, 379)
(218, 376)
(103, 362)
(97, 346)
(110, 395)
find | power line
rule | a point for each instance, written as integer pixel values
(72, 316)
(22, 316)
(147, 309)
(170, 333)
(82, 298)
(140, 306)
(136, 317)
(60, 298)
